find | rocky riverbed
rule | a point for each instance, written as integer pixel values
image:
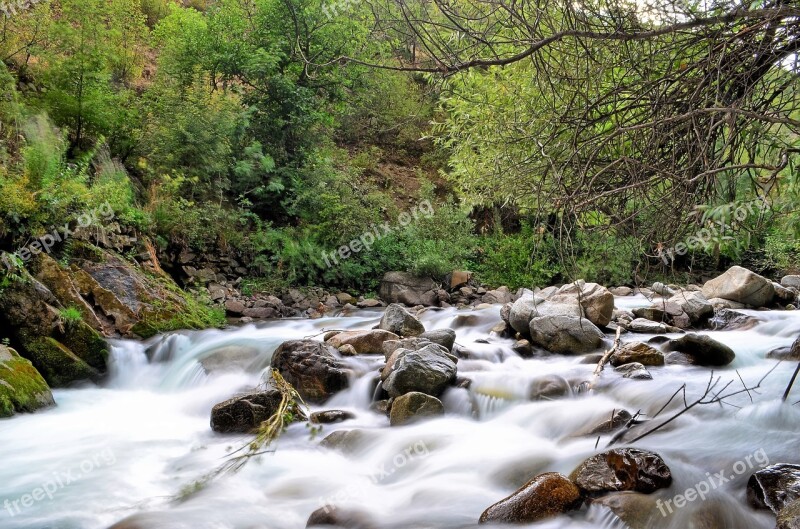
(572, 406)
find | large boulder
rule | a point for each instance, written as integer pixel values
(565, 334)
(545, 496)
(704, 350)
(244, 414)
(741, 285)
(413, 407)
(401, 287)
(427, 370)
(622, 469)
(501, 295)
(363, 342)
(595, 300)
(774, 487)
(396, 319)
(22, 388)
(313, 368)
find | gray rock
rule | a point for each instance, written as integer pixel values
(621, 291)
(662, 290)
(312, 368)
(331, 416)
(565, 334)
(791, 281)
(428, 370)
(501, 295)
(694, 304)
(234, 307)
(641, 325)
(635, 371)
(398, 320)
(444, 337)
(414, 406)
(741, 285)
(729, 320)
(595, 300)
(791, 353)
(401, 287)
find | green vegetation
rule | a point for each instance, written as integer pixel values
(239, 128)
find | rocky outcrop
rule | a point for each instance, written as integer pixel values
(396, 319)
(22, 388)
(774, 487)
(565, 334)
(244, 414)
(427, 370)
(545, 496)
(413, 407)
(741, 285)
(401, 287)
(622, 469)
(703, 350)
(312, 368)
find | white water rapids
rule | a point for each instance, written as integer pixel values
(137, 443)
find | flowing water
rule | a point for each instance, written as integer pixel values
(141, 442)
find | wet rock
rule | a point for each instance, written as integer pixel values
(644, 326)
(615, 420)
(622, 469)
(741, 285)
(731, 320)
(399, 321)
(523, 348)
(565, 334)
(774, 487)
(549, 387)
(243, 414)
(635, 371)
(545, 496)
(636, 510)
(312, 368)
(789, 516)
(428, 370)
(783, 294)
(444, 337)
(791, 353)
(704, 350)
(521, 312)
(331, 416)
(345, 441)
(637, 352)
(362, 342)
(414, 406)
(401, 287)
(413, 343)
(677, 359)
(333, 516)
(22, 388)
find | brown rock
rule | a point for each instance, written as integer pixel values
(622, 469)
(637, 352)
(545, 496)
(363, 342)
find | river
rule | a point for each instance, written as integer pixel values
(139, 443)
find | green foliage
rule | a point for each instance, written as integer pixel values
(525, 259)
(70, 315)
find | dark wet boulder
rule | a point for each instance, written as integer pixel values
(22, 388)
(413, 407)
(622, 469)
(312, 368)
(244, 413)
(704, 350)
(732, 320)
(774, 487)
(545, 496)
(428, 370)
(331, 416)
(333, 516)
(637, 352)
(396, 319)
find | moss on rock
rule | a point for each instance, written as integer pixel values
(59, 365)
(22, 388)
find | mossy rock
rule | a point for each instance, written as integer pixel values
(57, 363)
(22, 388)
(86, 344)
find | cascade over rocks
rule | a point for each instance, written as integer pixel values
(312, 368)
